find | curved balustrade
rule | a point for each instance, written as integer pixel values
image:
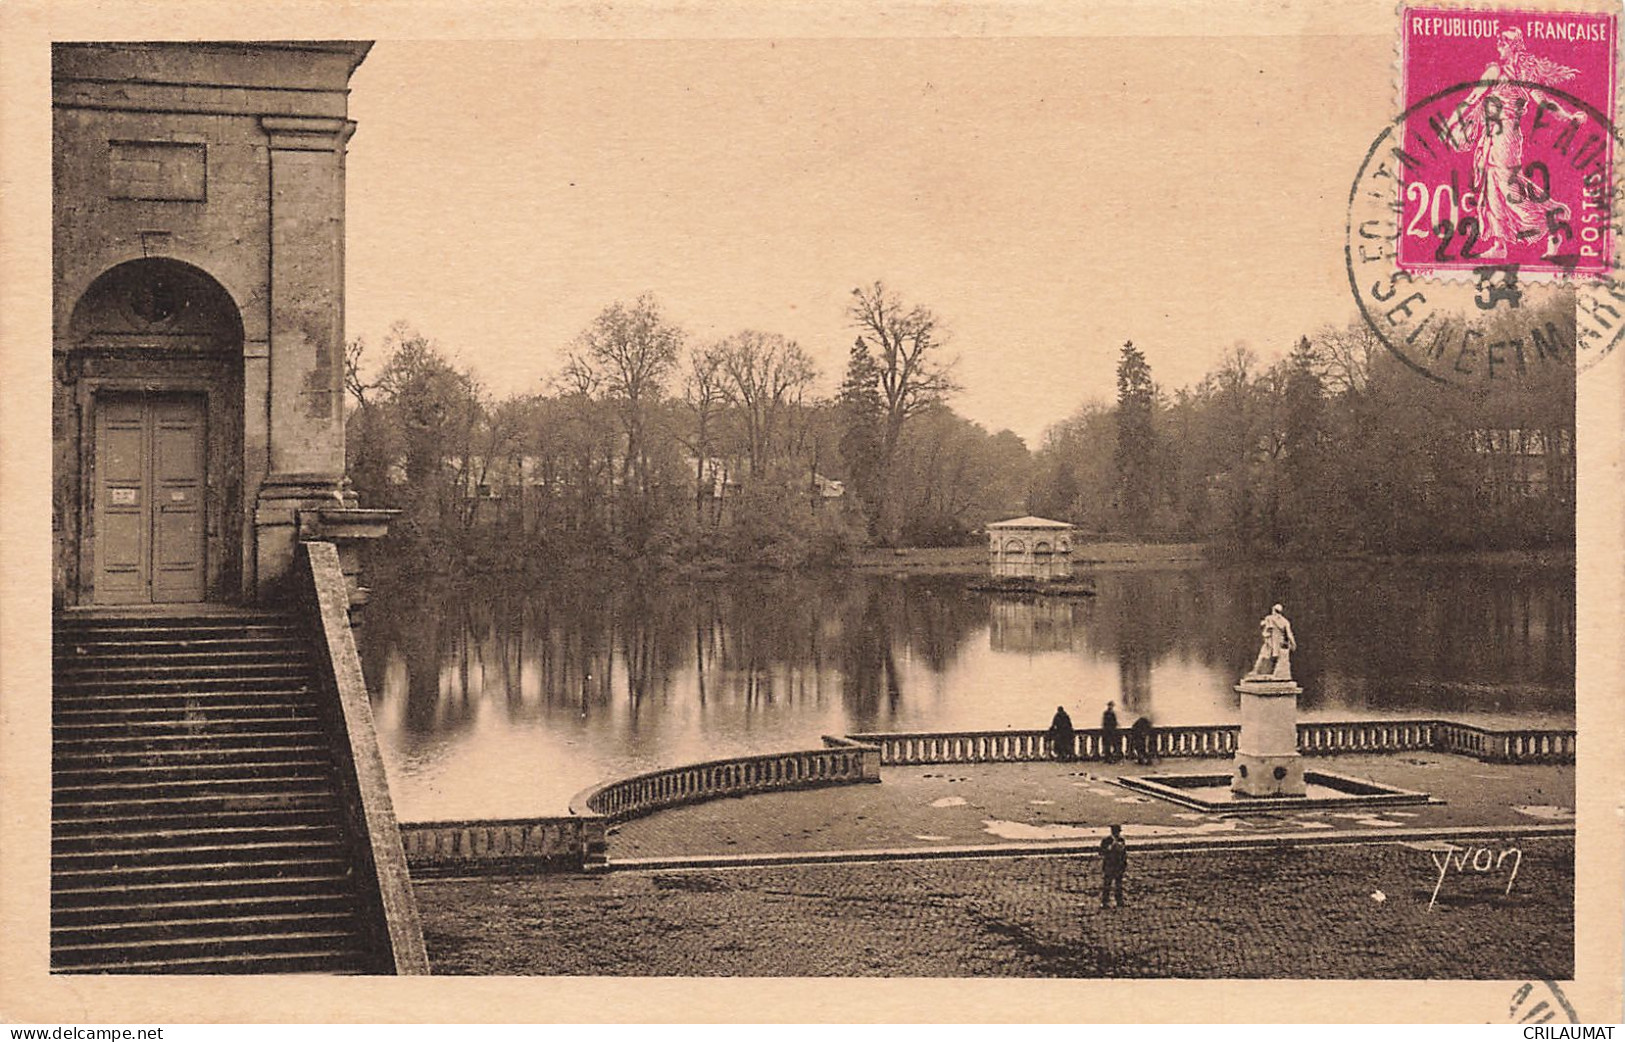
(843, 762)
(579, 839)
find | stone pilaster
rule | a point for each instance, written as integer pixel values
(305, 431)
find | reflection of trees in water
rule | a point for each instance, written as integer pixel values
(1393, 636)
(422, 627)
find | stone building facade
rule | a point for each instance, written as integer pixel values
(1030, 547)
(198, 322)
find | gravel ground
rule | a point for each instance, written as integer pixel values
(1321, 912)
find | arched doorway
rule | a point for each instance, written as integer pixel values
(149, 425)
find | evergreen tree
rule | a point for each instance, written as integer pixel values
(862, 421)
(1305, 497)
(1136, 442)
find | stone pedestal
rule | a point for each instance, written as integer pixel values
(350, 529)
(1267, 760)
(282, 498)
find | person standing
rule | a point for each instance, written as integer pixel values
(1108, 733)
(1113, 865)
(1139, 741)
(1061, 735)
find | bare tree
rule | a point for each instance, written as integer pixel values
(702, 396)
(358, 388)
(627, 354)
(764, 376)
(1344, 357)
(905, 344)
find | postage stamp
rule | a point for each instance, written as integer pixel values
(1484, 223)
(1512, 158)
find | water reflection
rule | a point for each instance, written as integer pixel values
(504, 700)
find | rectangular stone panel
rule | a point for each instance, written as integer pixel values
(164, 170)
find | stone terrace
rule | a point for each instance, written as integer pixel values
(730, 887)
(951, 805)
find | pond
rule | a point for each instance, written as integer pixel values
(503, 699)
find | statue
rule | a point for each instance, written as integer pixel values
(1275, 656)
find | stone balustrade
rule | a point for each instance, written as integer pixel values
(579, 839)
(441, 847)
(1315, 738)
(1329, 737)
(1517, 746)
(841, 762)
(1210, 740)
(960, 747)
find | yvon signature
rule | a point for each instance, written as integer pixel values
(1484, 860)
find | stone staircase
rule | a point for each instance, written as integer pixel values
(197, 825)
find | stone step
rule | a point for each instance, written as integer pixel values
(161, 839)
(67, 653)
(200, 726)
(156, 669)
(92, 891)
(195, 770)
(117, 910)
(199, 928)
(269, 705)
(313, 811)
(307, 943)
(290, 733)
(170, 630)
(75, 759)
(348, 958)
(279, 779)
(285, 797)
(122, 657)
(123, 860)
(251, 873)
(293, 680)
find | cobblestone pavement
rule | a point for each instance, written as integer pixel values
(955, 804)
(1357, 911)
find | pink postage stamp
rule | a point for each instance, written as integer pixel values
(1508, 141)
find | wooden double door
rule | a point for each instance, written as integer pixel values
(150, 479)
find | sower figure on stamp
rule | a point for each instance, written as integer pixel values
(1512, 208)
(1113, 865)
(1108, 733)
(1275, 654)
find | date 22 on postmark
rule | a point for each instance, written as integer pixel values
(1493, 201)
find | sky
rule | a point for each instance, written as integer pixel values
(1047, 198)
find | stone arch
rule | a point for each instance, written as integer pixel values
(162, 331)
(156, 303)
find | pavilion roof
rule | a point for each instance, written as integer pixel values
(1029, 522)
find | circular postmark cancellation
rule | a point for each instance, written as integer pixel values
(1463, 305)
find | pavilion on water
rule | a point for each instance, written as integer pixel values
(1030, 547)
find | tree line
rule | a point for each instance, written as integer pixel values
(649, 445)
(1337, 448)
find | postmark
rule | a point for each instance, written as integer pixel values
(1509, 172)
(1496, 322)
